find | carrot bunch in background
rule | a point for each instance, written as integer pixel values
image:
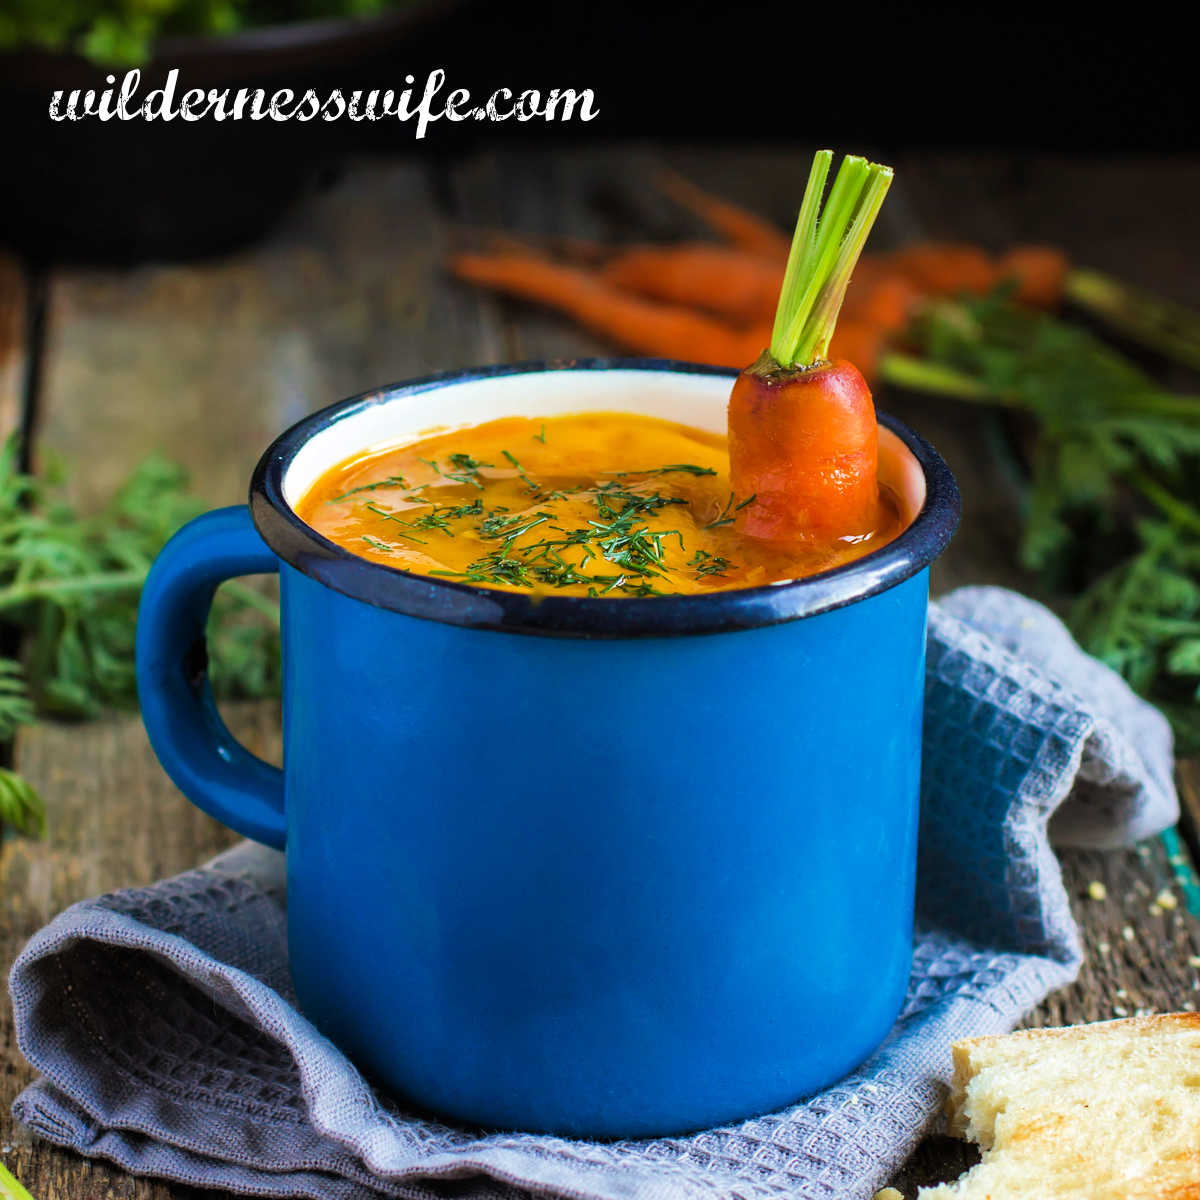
(714, 302)
(1110, 470)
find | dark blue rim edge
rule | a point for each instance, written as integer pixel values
(476, 607)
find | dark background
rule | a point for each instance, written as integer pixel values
(938, 75)
(872, 78)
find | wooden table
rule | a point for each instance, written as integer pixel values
(206, 361)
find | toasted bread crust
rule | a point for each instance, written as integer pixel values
(1106, 1111)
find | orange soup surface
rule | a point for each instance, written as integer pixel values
(595, 504)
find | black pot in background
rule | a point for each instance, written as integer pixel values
(125, 191)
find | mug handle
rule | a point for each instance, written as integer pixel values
(212, 769)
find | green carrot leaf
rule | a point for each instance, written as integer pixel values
(825, 248)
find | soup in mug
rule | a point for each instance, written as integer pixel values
(594, 504)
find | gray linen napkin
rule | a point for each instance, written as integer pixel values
(163, 1024)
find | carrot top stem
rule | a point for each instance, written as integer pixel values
(828, 241)
(1162, 325)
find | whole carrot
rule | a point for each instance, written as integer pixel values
(861, 343)
(886, 303)
(718, 298)
(803, 439)
(730, 283)
(735, 224)
(634, 323)
(1040, 273)
(945, 268)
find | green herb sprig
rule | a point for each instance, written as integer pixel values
(21, 808)
(1113, 506)
(116, 33)
(69, 584)
(704, 563)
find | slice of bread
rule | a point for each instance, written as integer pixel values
(1109, 1111)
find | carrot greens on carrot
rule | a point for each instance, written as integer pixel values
(825, 249)
(802, 433)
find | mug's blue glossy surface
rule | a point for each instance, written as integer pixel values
(598, 885)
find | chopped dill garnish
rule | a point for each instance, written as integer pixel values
(636, 503)
(704, 563)
(390, 481)
(621, 583)
(618, 534)
(512, 458)
(541, 437)
(440, 515)
(671, 468)
(496, 567)
(725, 518)
(391, 516)
(464, 462)
(466, 469)
(376, 544)
(497, 525)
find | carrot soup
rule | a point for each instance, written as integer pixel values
(593, 504)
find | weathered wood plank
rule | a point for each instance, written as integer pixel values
(1188, 778)
(114, 821)
(538, 196)
(14, 296)
(1139, 938)
(207, 362)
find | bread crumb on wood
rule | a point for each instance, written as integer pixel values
(1097, 890)
(1166, 899)
(888, 1194)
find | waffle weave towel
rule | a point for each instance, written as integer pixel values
(162, 1021)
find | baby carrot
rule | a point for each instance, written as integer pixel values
(736, 225)
(886, 304)
(861, 343)
(636, 324)
(803, 440)
(1040, 272)
(731, 283)
(945, 268)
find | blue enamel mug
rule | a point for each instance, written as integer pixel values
(598, 867)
